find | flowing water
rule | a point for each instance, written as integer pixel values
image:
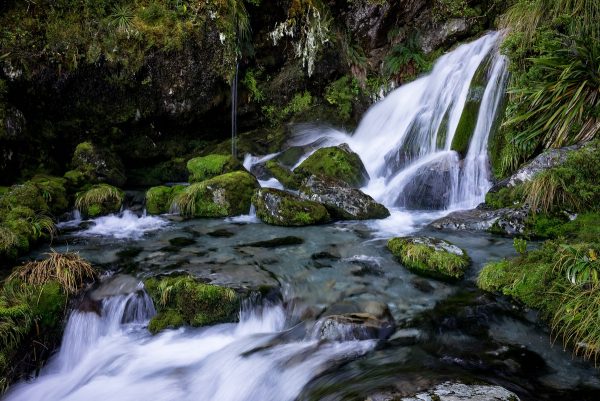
(446, 331)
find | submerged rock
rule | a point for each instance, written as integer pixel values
(225, 195)
(431, 257)
(338, 162)
(276, 242)
(463, 392)
(342, 201)
(206, 167)
(353, 326)
(505, 221)
(283, 208)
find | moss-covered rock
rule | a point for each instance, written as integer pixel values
(283, 208)
(283, 174)
(184, 301)
(159, 199)
(221, 196)
(206, 167)
(53, 191)
(341, 201)
(27, 195)
(99, 200)
(99, 165)
(338, 162)
(430, 257)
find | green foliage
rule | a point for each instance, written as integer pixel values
(579, 263)
(405, 61)
(335, 162)
(185, 301)
(251, 83)
(283, 175)
(520, 246)
(505, 197)
(428, 259)
(300, 103)
(99, 199)
(206, 167)
(342, 94)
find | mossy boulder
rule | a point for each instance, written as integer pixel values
(283, 208)
(27, 194)
(284, 175)
(53, 190)
(430, 257)
(206, 167)
(99, 200)
(342, 201)
(338, 162)
(221, 196)
(159, 199)
(99, 165)
(183, 301)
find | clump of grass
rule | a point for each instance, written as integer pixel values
(68, 269)
(99, 197)
(8, 239)
(548, 191)
(185, 201)
(579, 263)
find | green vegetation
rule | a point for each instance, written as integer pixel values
(99, 200)
(337, 162)
(301, 102)
(430, 257)
(184, 301)
(159, 199)
(554, 47)
(283, 175)
(97, 165)
(203, 168)
(283, 208)
(342, 94)
(405, 61)
(225, 195)
(33, 302)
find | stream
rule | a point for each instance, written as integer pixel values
(445, 331)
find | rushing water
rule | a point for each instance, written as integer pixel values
(448, 331)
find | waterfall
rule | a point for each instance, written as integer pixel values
(234, 100)
(407, 140)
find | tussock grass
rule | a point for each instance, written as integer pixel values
(8, 239)
(185, 201)
(548, 191)
(98, 195)
(69, 269)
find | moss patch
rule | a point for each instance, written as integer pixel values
(206, 167)
(184, 301)
(99, 200)
(430, 257)
(159, 199)
(283, 174)
(286, 209)
(225, 195)
(336, 162)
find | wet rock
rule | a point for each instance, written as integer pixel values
(98, 164)
(369, 21)
(463, 392)
(448, 32)
(90, 305)
(506, 221)
(364, 265)
(405, 337)
(282, 208)
(336, 162)
(206, 167)
(353, 326)
(546, 160)
(119, 284)
(180, 242)
(422, 285)
(159, 199)
(221, 233)
(342, 201)
(431, 257)
(275, 242)
(285, 176)
(225, 195)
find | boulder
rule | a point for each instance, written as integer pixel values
(430, 257)
(342, 201)
(283, 208)
(206, 167)
(506, 221)
(338, 162)
(158, 199)
(98, 164)
(99, 200)
(221, 196)
(463, 392)
(353, 326)
(285, 176)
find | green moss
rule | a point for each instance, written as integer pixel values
(225, 195)
(204, 168)
(53, 191)
(282, 208)
(185, 301)
(159, 199)
(99, 200)
(27, 195)
(98, 165)
(430, 257)
(342, 94)
(337, 162)
(75, 179)
(505, 197)
(283, 175)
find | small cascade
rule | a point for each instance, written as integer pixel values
(125, 225)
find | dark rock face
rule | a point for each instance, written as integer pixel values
(342, 201)
(505, 221)
(353, 326)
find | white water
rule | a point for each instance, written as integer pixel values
(113, 357)
(405, 139)
(125, 225)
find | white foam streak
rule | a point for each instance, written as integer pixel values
(125, 225)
